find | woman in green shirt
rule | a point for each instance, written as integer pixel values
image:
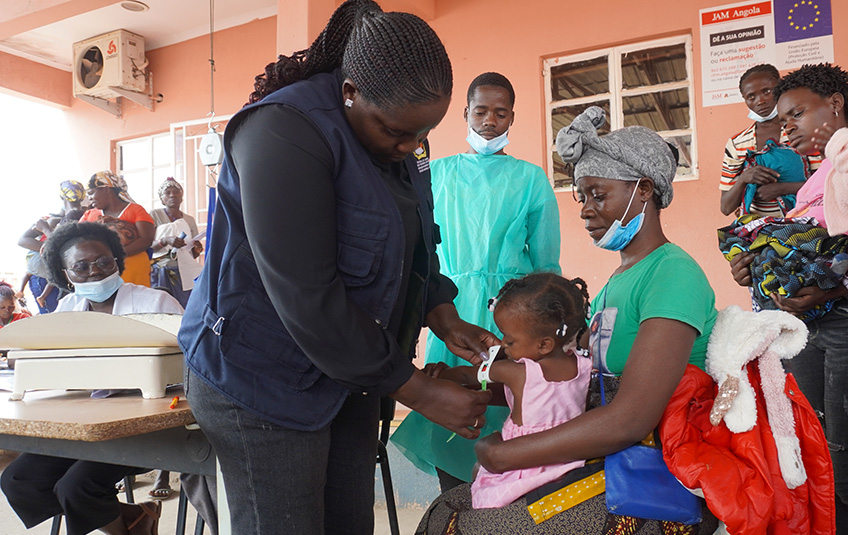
(652, 318)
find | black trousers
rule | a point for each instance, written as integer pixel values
(39, 487)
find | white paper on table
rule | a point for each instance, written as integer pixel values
(189, 267)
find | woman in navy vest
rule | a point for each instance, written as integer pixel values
(320, 272)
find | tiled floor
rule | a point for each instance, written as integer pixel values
(10, 525)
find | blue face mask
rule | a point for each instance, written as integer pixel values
(99, 291)
(485, 146)
(618, 236)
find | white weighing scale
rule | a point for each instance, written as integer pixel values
(91, 350)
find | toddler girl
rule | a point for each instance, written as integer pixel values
(541, 316)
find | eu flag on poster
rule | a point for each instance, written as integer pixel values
(801, 19)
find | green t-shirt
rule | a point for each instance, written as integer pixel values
(667, 283)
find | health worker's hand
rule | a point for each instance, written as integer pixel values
(463, 339)
(445, 403)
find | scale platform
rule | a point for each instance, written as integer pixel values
(89, 350)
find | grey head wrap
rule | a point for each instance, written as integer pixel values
(630, 153)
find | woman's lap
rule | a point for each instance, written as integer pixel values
(587, 518)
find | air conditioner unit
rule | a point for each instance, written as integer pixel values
(114, 59)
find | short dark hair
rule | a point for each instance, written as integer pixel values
(393, 58)
(552, 300)
(763, 68)
(822, 79)
(6, 291)
(69, 234)
(494, 79)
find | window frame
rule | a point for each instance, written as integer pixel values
(616, 94)
(151, 166)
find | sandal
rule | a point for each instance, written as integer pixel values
(152, 510)
(161, 493)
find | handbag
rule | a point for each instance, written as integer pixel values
(639, 484)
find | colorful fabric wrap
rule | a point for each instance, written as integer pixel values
(108, 179)
(784, 160)
(790, 254)
(169, 182)
(72, 191)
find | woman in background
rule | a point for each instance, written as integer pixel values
(812, 107)
(86, 259)
(173, 228)
(8, 306)
(112, 205)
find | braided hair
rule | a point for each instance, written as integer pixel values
(763, 68)
(493, 79)
(69, 234)
(393, 58)
(822, 79)
(551, 301)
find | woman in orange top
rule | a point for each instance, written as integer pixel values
(112, 205)
(7, 306)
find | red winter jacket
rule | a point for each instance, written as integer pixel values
(739, 472)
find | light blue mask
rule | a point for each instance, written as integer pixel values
(99, 291)
(485, 146)
(618, 236)
(754, 116)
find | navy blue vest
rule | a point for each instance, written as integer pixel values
(231, 334)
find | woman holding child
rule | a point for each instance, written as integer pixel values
(652, 318)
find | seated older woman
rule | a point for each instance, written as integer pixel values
(86, 259)
(652, 318)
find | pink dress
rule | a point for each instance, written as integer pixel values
(544, 405)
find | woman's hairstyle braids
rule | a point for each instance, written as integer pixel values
(763, 68)
(6, 291)
(69, 234)
(393, 58)
(552, 301)
(822, 79)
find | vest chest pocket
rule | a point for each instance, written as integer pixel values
(361, 240)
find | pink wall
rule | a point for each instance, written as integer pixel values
(514, 37)
(480, 35)
(27, 79)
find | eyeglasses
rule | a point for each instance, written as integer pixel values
(105, 264)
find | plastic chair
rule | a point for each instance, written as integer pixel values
(387, 414)
(128, 492)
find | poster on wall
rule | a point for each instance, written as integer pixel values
(803, 32)
(735, 37)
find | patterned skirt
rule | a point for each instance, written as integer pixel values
(452, 514)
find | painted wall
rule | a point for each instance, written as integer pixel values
(514, 37)
(480, 35)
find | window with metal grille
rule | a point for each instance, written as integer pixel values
(647, 84)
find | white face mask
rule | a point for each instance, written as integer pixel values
(759, 118)
(485, 146)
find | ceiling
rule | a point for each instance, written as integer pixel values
(165, 23)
